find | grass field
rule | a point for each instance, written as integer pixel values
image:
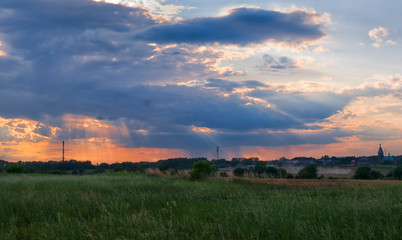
(140, 207)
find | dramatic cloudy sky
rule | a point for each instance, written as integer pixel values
(133, 80)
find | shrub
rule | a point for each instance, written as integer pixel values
(289, 175)
(309, 171)
(376, 174)
(15, 168)
(56, 171)
(261, 170)
(98, 170)
(365, 172)
(239, 172)
(223, 174)
(201, 169)
(118, 168)
(396, 173)
(282, 173)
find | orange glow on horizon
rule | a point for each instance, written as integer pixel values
(341, 149)
(96, 150)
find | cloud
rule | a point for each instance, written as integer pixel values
(378, 36)
(282, 63)
(80, 73)
(155, 7)
(241, 26)
(378, 85)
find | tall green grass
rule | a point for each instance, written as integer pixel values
(141, 207)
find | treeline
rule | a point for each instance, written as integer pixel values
(261, 170)
(258, 167)
(55, 167)
(80, 166)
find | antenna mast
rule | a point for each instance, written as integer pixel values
(63, 153)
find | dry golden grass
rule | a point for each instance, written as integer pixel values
(155, 172)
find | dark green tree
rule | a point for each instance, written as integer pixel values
(308, 172)
(365, 172)
(201, 170)
(239, 172)
(396, 173)
(15, 168)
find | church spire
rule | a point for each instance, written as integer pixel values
(380, 154)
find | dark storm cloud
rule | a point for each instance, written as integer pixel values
(299, 106)
(158, 105)
(57, 43)
(194, 141)
(241, 26)
(308, 107)
(80, 57)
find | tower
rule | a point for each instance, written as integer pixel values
(380, 154)
(63, 153)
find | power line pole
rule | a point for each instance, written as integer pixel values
(217, 152)
(63, 153)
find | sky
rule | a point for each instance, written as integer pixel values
(134, 80)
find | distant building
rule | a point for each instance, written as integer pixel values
(390, 158)
(380, 154)
(361, 161)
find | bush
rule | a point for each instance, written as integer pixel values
(396, 173)
(289, 175)
(98, 170)
(239, 172)
(308, 172)
(376, 174)
(118, 168)
(15, 168)
(365, 172)
(223, 174)
(56, 171)
(261, 170)
(201, 170)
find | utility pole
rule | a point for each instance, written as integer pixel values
(63, 153)
(217, 152)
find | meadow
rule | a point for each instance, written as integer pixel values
(133, 206)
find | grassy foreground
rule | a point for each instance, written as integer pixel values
(141, 207)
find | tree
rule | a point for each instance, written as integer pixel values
(15, 168)
(201, 170)
(365, 172)
(239, 172)
(396, 173)
(309, 171)
(223, 174)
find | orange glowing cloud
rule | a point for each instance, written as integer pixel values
(25, 129)
(2, 53)
(93, 127)
(202, 130)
